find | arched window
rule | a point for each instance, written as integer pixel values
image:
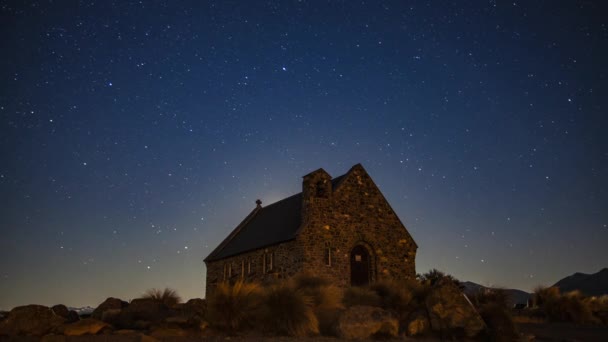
(328, 256)
(321, 189)
(268, 261)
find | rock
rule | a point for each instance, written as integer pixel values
(162, 333)
(35, 320)
(451, 313)
(196, 307)
(418, 324)
(108, 304)
(125, 332)
(112, 316)
(60, 310)
(53, 338)
(146, 309)
(362, 322)
(87, 326)
(146, 338)
(69, 315)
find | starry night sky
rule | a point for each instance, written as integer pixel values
(134, 136)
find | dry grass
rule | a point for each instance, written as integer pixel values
(394, 296)
(500, 323)
(288, 311)
(168, 296)
(326, 299)
(360, 296)
(568, 307)
(235, 307)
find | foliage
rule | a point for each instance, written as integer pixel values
(168, 296)
(235, 307)
(326, 299)
(498, 319)
(360, 296)
(568, 307)
(498, 297)
(394, 296)
(433, 276)
(288, 311)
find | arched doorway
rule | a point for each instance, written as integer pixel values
(359, 266)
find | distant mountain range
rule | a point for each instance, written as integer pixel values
(85, 310)
(595, 284)
(517, 296)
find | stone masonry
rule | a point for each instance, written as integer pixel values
(336, 217)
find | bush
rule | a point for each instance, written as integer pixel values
(360, 296)
(234, 307)
(394, 296)
(326, 299)
(498, 297)
(569, 307)
(288, 311)
(499, 321)
(168, 296)
(433, 277)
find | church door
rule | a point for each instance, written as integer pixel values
(359, 266)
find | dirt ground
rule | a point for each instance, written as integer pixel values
(564, 332)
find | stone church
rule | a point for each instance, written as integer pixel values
(339, 228)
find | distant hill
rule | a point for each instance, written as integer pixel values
(86, 310)
(595, 284)
(517, 296)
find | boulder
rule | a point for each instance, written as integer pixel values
(451, 313)
(146, 309)
(163, 333)
(108, 304)
(87, 326)
(35, 320)
(418, 324)
(60, 310)
(362, 322)
(69, 315)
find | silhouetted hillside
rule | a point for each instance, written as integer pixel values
(595, 284)
(517, 296)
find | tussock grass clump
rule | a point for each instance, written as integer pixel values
(235, 307)
(568, 307)
(394, 296)
(499, 321)
(360, 296)
(498, 297)
(168, 296)
(288, 311)
(326, 299)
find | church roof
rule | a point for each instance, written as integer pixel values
(265, 226)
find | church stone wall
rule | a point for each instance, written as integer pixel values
(286, 260)
(355, 213)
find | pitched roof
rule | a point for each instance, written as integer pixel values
(265, 226)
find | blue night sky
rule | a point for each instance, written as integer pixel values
(134, 136)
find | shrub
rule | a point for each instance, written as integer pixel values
(433, 276)
(498, 297)
(393, 295)
(569, 307)
(499, 321)
(288, 311)
(326, 299)
(360, 296)
(168, 296)
(234, 307)
(543, 295)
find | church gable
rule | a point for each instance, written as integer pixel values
(339, 228)
(355, 216)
